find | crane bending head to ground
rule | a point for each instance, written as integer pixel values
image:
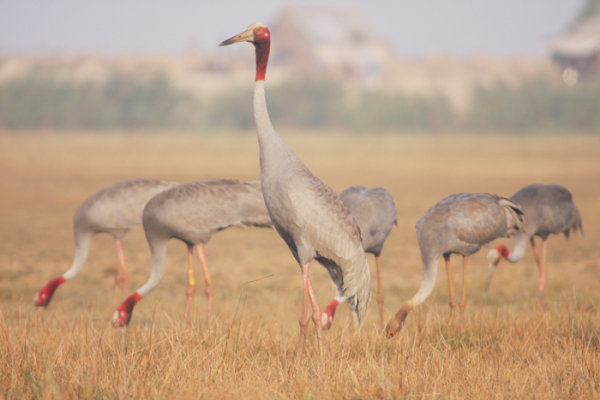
(458, 224)
(375, 213)
(192, 213)
(549, 209)
(114, 209)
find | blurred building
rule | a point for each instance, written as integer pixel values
(333, 41)
(577, 51)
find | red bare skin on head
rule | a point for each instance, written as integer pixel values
(330, 312)
(502, 251)
(123, 314)
(43, 297)
(262, 44)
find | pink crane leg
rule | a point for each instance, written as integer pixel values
(542, 265)
(209, 287)
(191, 289)
(451, 289)
(535, 252)
(316, 312)
(122, 275)
(463, 294)
(379, 291)
(305, 317)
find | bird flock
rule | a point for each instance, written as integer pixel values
(314, 222)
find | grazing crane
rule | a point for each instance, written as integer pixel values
(115, 209)
(375, 213)
(549, 209)
(192, 213)
(306, 213)
(458, 224)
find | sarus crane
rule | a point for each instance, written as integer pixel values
(192, 213)
(375, 213)
(307, 214)
(549, 209)
(115, 209)
(458, 224)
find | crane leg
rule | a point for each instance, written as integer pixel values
(191, 289)
(463, 295)
(122, 275)
(316, 312)
(305, 317)
(542, 266)
(535, 252)
(451, 289)
(309, 296)
(208, 285)
(379, 291)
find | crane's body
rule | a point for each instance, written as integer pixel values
(458, 224)
(192, 213)
(374, 211)
(306, 213)
(548, 209)
(114, 209)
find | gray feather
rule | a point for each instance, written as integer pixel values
(549, 209)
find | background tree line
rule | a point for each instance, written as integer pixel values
(124, 102)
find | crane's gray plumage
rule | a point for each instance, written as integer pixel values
(192, 213)
(458, 224)
(548, 209)
(114, 209)
(117, 208)
(374, 211)
(306, 213)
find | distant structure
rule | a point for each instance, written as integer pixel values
(577, 51)
(337, 41)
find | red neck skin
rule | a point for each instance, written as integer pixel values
(43, 297)
(123, 313)
(330, 310)
(262, 49)
(502, 251)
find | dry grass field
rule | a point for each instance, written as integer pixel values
(512, 344)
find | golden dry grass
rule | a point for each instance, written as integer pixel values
(511, 346)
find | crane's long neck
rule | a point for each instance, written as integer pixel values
(519, 246)
(82, 246)
(159, 264)
(430, 268)
(272, 148)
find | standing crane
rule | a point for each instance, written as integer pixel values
(306, 213)
(549, 209)
(115, 209)
(375, 213)
(458, 224)
(192, 213)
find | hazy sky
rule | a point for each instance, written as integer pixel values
(415, 27)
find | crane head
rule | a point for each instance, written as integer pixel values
(43, 297)
(494, 256)
(256, 33)
(496, 253)
(358, 304)
(122, 316)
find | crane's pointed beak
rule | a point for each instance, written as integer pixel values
(246, 36)
(491, 270)
(493, 258)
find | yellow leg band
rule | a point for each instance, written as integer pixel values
(191, 278)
